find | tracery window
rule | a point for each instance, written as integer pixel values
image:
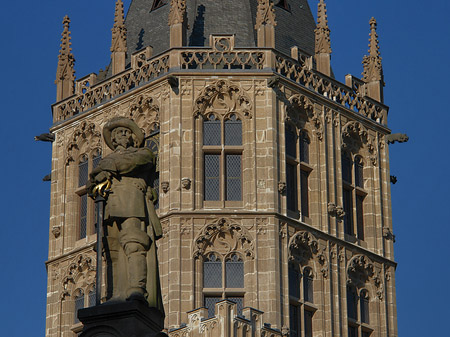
(297, 170)
(358, 312)
(78, 303)
(223, 278)
(81, 301)
(87, 207)
(222, 152)
(353, 195)
(301, 301)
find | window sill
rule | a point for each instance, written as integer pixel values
(210, 204)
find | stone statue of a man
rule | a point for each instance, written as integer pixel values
(132, 226)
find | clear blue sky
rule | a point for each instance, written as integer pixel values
(415, 46)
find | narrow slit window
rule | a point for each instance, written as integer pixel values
(212, 272)
(360, 216)
(212, 177)
(83, 216)
(212, 131)
(304, 147)
(364, 305)
(291, 187)
(346, 168)
(291, 141)
(359, 181)
(304, 193)
(294, 282)
(308, 289)
(234, 173)
(233, 131)
(234, 271)
(79, 304)
(348, 209)
(83, 170)
(92, 297)
(352, 303)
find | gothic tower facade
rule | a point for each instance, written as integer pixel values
(273, 177)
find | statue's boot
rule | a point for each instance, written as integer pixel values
(137, 276)
(135, 243)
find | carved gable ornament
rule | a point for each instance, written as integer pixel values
(222, 97)
(361, 270)
(300, 110)
(85, 133)
(81, 272)
(145, 112)
(356, 137)
(303, 247)
(223, 236)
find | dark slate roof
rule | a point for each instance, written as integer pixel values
(146, 27)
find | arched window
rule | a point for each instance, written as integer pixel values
(301, 298)
(308, 289)
(78, 303)
(353, 195)
(304, 147)
(83, 170)
(212, 272)
(92, 296)
(297, 170)
(234, 271)
(86, 207)
(352, 303)
(223, 278)
(222, 150)
(358, 313)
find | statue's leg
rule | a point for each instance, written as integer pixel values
(135, 244)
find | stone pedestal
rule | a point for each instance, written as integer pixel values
(124, 319)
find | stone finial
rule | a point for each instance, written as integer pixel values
(65, 73)
(177, 23)
(119, 40)
(323, 44)
(265, 24)
(265, 14)
(177, 12)
(322, 30)
(119, 32)
(373, 69)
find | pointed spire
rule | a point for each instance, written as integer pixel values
(119, 32)
(323, 44)
(65, 73)
(177, 23)
(373, 69)
(322, 30)
(119, 40)
(265, 24)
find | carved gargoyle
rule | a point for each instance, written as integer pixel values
(397, 137)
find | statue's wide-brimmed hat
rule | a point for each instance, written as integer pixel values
(123, 122)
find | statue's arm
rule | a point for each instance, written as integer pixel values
(128, 162)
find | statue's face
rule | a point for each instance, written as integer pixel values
(122, 137)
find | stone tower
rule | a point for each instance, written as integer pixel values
(274, 183)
